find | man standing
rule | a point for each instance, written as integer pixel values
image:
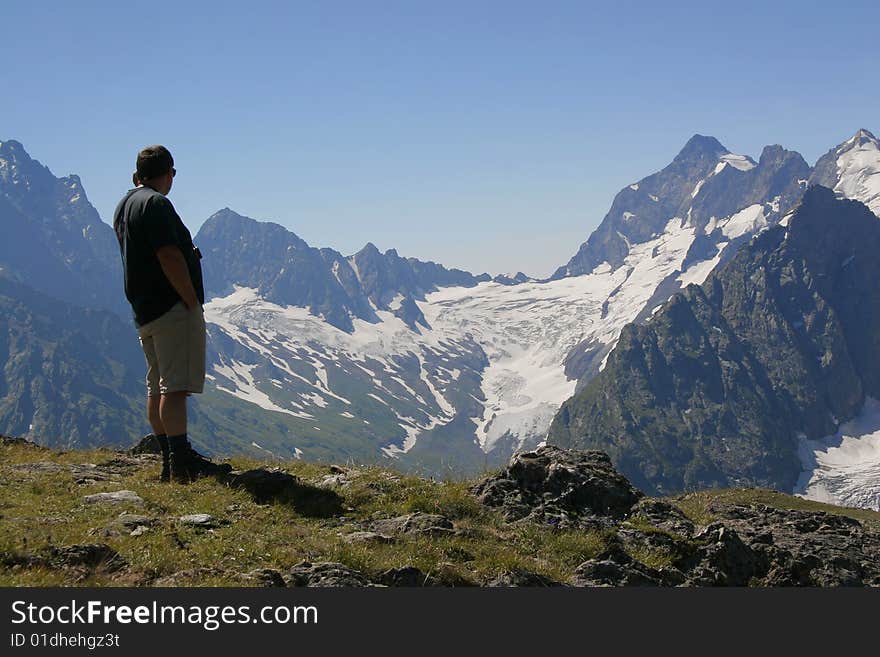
(163, 283)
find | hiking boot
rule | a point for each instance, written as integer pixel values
(162, 439)
(186, 464)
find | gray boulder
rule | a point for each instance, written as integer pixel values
(132, 520)
(92, 556)
(805, 548)
(266, 577)
(426, 524)
(367, 537)
(663, 515)
(723, 559)
(326, 574)
(406, 576)
(146, 445)
(116, 497)
(557, 485)
(614, 567)
(518, 577)
(204, 520)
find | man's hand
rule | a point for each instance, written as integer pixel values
(174, 267)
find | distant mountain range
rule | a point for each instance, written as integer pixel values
(373, 356)
(336, 288)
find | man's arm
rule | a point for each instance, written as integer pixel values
(174, 267)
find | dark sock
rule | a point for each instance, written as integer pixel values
(178, 442)
(161, 440)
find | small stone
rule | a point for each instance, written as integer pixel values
(334, 480)
(134, 520)
(188, 577)
(139, 530)
(104, 532)
(268, 577)
(116, 497)
(407, 576)
(198, 520)
(367, 537)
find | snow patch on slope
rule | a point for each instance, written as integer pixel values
(245, 387)
(528, 330)
(748, 220)
(741, 162)
(844, 469)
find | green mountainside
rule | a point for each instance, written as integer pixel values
(70, 375)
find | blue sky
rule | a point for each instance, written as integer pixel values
(485, 135)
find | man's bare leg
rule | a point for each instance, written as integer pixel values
(153, 415)
(172, 413)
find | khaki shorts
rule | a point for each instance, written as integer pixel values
(174, 345)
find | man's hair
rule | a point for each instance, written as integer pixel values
(153, 161)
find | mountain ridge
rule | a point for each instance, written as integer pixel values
(777, 346)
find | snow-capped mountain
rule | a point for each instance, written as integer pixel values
(723, 384)
(704, 182)
(244, 252)
(852, 169)
(471, 373)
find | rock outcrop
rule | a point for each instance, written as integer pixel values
(559, 486)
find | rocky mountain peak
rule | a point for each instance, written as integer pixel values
(511, 278)
(370, 250)
(228, 214)
(776, 153)
(10, 146)
(231, 224)
(864, 137)
(17, 165)
(12, 150)
(56, 242)
(701, 147)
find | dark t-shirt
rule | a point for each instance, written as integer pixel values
(144, 222)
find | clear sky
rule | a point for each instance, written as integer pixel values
(490, 136)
